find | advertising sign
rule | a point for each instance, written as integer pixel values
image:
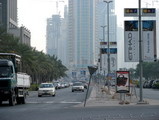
(113, 59)
(131, 41)
(149, 53)
(122, 82)
(149, 40)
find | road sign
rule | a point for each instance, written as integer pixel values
(130, 12)
(134, 12)
(92, 69)
(148, 12)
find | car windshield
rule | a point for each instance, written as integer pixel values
(5, 71)
(46, 86)
(77, 84)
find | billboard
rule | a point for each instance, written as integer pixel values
(149, 41)
(131, 41)
(122, 82)
(113, 59)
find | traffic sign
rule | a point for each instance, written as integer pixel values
(134, 12)
(148, 12)
(130, 12)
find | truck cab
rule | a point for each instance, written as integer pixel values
(13, 87)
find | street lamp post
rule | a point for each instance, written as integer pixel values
(140, 54)
(107, 2)
(103, 41)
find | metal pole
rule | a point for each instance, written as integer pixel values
(87, 90)
(104, 41)
(140, 53)
(108, 43)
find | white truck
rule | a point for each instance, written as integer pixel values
(14, 85)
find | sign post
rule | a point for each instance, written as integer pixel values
(92, 70)
(142, 12)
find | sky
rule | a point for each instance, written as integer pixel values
(33, 15)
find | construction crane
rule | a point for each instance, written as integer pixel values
(147, 4)
(57, 5)
(154, 2)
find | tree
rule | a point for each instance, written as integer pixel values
(40, 66)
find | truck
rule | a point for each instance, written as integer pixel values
(14, 84)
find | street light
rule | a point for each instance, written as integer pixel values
(103, 41)
(107, 2)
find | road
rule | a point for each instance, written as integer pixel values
(61, 107)
(150, 93)
(64, 97)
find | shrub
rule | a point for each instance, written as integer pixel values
(33, 87)
(156, 85)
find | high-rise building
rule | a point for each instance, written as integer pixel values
(9, 13)
(9, 21)
(53, 35)
(82, 34)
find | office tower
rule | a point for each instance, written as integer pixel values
(9, 21)
(53, 35)
(9, 14)
(82, 34)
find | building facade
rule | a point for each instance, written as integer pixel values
(82, 34)
(9, 21)
(53, 35)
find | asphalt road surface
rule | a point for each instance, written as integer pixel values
(61, 107)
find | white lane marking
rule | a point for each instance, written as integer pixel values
(70, 102)
(51, 102)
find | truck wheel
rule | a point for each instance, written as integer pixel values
(12, 100)
(18, 100)
(23, 100)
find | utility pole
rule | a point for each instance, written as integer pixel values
(103, 41)
(108, 52)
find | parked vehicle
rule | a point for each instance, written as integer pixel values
(145, 84)
(13, 84)
(150, 82)
(57, 84)
(78, 86)
(155, 84)
(46, 89)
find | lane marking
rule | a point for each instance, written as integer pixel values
(51, 102)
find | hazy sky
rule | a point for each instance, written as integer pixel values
(34, 13)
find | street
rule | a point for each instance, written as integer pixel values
(61, 107)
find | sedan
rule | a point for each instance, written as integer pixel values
(46, 89)
(78, 86)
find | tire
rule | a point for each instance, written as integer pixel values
(39, 95)
(12, 100)
(23, 100)
(0, 102)
(18, 100)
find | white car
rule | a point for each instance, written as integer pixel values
(78, 86)
(46, 89)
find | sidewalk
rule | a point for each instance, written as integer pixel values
(99, 97)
